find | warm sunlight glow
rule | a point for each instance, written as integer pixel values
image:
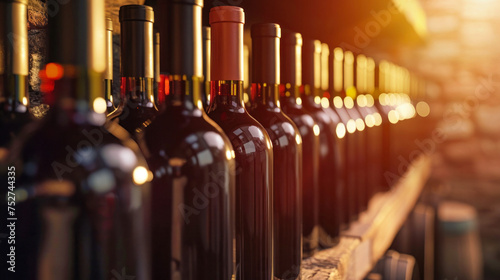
(360, 124)
(370, 101)
(298, 139)
(351, 92)
(299, 101)
(423, 109)
(316, 129)
(140, 175)
(378, 119)
(362, 100)
(370, 120)
(348, 102)
(393, 116)
(54, 71)
(325, 103)
(351, 126)
(337, 102)
(383, 99)
(317, 100)
(340, 130)
(99, 105)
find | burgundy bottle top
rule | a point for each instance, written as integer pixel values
(227, 43)
(265, 49)
(291, 57)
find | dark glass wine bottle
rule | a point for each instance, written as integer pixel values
(80, 207)
(382, 88)
(291, 104)
(251, 144)
(137, 71)
(331, 199)
(350, 138)
(14, 99)
(287, 150)
(358, 127)
(108, 74)
(373, 120)
(193, 191)
(368, 133)
(328, 146)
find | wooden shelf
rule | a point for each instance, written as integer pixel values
(368, 239)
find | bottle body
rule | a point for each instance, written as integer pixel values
(254, 180)
(348, 140)
(328, 183)
(357, 163)
(193, 196)
(373, 151)
(287, 180)
(331, 217)
(82, 216)
(308, 130)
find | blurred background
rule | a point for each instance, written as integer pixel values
(453, 44)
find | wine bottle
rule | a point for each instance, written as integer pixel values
(251, 144)
(369, 134)
(193, 162)
(14, 99)
(108, 74)
(331, 200)
(287, 150)
(205, 98)
(292, 105)
(328, 149)
(137, 72)
(358, 125)
(80, 206)
(375, 131)
(350, 138)
(380, 96)
(389, 100)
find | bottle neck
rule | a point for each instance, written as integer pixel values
(15, 93)
(75, 92)
(183, 92)
(227, 95)
(14, 57)
(138, 91)
(263, 94)
(108, 93)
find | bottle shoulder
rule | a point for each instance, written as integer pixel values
(69, 160)
(245, 133)
(183, 136)
(276, 123)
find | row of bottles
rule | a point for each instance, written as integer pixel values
(182, 177)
